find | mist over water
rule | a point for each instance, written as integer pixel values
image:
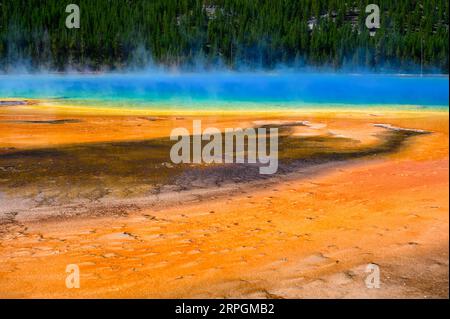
(233, 90)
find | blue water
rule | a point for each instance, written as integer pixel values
(231, 90)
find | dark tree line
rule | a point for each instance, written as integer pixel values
(117, 34)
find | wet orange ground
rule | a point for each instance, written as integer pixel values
(305, 237)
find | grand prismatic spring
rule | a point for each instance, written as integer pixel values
(86, 179)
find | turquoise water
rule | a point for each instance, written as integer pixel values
(231, 90)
